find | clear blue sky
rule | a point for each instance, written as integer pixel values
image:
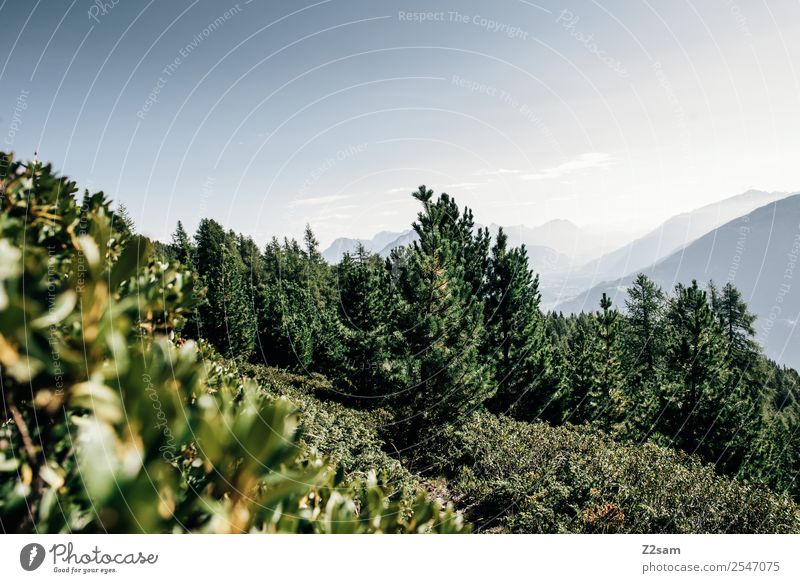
(268, 115)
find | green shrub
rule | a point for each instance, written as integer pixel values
(514, 476)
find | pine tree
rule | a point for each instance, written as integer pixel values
(182, 248)
(516, 340)
(643, 359)
(696, 370)
(366, 314)
(226, 315)
(441, 321)
(609, 376)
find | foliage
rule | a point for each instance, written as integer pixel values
(440, 320)
(108, 426)
(136, 396)
(226, 316)
(511, 476)
(516, 338)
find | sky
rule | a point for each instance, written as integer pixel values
(267, 115)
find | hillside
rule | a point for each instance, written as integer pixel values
(511, 476)
(757, 253)
(675, 233)
(518, 477)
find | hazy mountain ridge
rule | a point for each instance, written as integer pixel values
(675, 233)
(757, 252)
(555, 245)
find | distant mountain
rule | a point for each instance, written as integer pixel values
(342, 245)
(758, 252)
(403, 239)
(543, 259)
(565, 237)
(675, 233)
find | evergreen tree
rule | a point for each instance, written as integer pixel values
(281, 338)
(742, 406)
(576, 400)
(122, 222)
(736, 322)
(696, 371)
(297, 306)
(516, 340)
(609, 377)
(441, 321)
(226, 315)
(643, 359)
(182, 248)
(366, 314)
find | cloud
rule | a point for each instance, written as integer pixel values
(498, 172)
(466, 185)
(582, 162)
(319, 199)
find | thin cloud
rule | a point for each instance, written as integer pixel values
(319, 199)
(582, 162)
(466, 185)
(498, 172)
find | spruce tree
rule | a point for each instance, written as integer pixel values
(366, 313)
(736, 322)
(741, 409)
(575, 401)
(297, 306)
(182, 249)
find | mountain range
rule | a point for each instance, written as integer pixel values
(757, 252)
(561, 244)
(675, 233)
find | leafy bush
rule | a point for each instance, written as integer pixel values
(109, 426)
(349, 437)
(513, 476)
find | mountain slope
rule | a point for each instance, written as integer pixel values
(757, 252)
(675, 233)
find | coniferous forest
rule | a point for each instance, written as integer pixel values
(212, 384)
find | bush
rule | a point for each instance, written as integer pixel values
(349, 437)
(513, 476)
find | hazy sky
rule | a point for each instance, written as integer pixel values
(268, 115)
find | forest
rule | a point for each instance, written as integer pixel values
(209, 384)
